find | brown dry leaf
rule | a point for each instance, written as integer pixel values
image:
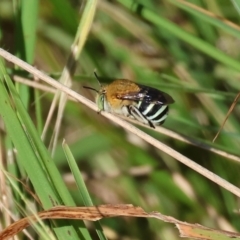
(197, 231)
(94, 213)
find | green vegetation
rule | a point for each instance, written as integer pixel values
(191, 51)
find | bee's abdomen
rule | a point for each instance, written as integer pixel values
(156, 113)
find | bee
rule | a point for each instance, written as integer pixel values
(142, 103)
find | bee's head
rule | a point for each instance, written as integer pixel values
(100, 93)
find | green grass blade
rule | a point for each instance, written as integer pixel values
(25, 151)
(28, 24)
(26, 28)
(34, 156)
(203, 16)
(81, 187)
(166, 25)
(236, 4)
(38, 111)
(31, 164)
(78, 177)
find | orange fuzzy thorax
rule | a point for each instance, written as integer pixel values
(116, 89)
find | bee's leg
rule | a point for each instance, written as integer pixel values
(101, 109)
(134, 111)
(151, 124)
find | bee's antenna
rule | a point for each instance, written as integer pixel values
(98, 82)
(97, 78)
(91, 88)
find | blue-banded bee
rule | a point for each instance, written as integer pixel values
(124, 97)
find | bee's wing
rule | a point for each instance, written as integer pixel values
(134, 96)
(149, 95)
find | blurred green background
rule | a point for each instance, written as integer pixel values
(190, 54)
